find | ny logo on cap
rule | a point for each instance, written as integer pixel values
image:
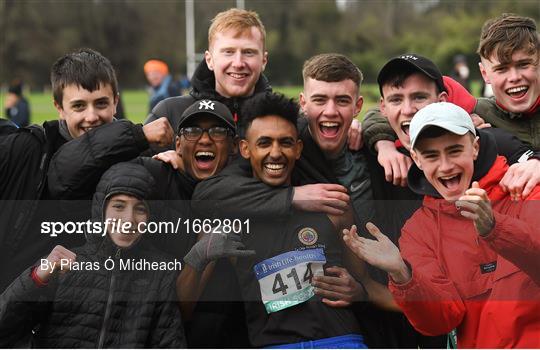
(409, 57)
(206, 105)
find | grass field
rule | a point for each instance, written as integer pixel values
(136, 102)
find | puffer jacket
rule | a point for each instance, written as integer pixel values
(38, 166)
(486, 287)
(93, 306)
(24, 158)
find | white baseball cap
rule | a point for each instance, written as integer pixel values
(443, 115)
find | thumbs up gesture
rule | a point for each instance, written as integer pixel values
(476, 205)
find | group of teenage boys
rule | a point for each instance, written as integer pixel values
(319, 264)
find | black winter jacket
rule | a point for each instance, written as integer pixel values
(26, 185)
(78, 165)
(174, 188)
(7, 127)
(96, 307)
(203, 83)
(24, 158)
(237, 193)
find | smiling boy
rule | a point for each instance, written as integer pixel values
(75, 298)
(85, 92)
(232, 69)
(281, 312)
(205, 138)
(469, 256)
(509, 51)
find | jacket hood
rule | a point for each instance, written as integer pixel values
(204, 85)
(127, 178)
(486, 158)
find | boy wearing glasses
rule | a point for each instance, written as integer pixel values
(205, 130)
(205, 139)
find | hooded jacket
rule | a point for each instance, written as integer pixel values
(40, 165)
(204, 87)
(486, 287)
(95, 306)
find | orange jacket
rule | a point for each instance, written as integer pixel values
(488, 288)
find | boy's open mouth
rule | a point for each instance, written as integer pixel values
(205, 159)
(329, 129)
(450, 182)
(518, 91)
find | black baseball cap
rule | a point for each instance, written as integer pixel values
(417, 62)
(208, 107)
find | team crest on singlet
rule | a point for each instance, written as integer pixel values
(308, 236)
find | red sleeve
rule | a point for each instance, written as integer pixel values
(458, 95)
(429, 300)
(518, 239)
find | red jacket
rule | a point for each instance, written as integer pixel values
(488, 288)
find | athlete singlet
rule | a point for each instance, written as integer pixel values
(281, 307)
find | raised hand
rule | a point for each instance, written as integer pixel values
(355, 140)
(396, 165)
(58, 260)
(479, 122)
(379, 252)
(170, 157)
(159, 132)
(476, 205)
(215, 245)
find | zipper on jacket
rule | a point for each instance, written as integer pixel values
(109, 303)
(236, 109)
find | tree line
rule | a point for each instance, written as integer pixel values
(129, 32)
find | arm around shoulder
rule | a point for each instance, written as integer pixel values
(375, 127)
(235, 192)
(77, 166)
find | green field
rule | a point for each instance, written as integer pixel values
(136, 102)
(42, 107)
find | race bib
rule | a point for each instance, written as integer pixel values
(285, 280)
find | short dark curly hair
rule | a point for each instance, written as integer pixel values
(265, 104)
